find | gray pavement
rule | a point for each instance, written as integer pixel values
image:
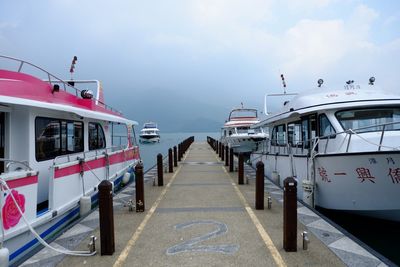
(201, 217)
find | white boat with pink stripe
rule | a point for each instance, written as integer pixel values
(57, 143)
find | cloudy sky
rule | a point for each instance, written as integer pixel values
(186, 62)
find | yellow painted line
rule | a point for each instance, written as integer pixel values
(264, 235)
(124, 254)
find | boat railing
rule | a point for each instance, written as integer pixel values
(272, 146)
(68, 86)
(87, 154)
(11, 162)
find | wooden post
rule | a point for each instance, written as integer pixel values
(226, 155)
(290, 214)
(240, 169)
(106, 214)
(259, 185)
(139, 184)
(175, 157)
(170, 161)
(231, 159)
(160, 173)
(223, 153)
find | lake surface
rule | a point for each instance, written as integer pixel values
(148, 152)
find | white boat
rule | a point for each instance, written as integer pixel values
(57, 144)
(342, 145)
(238, 135)
(150, 133)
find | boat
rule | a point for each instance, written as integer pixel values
(57, 143)
(150, 133)
(237, 134)
(342, 145)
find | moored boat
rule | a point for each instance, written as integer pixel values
(150, 133)
(57, 144)
(342, 145)
(237, 134)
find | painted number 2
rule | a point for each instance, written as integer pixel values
(190, 245)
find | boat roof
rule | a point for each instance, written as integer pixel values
(23, 89)
(149, 125)
(323, 98)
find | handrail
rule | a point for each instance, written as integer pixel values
(95, 153)
(11, 161)
(65, 84)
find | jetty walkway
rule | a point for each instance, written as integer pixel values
(201, 217)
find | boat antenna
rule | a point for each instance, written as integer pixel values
(71, 70)
(283, 84)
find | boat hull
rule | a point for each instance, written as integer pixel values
(243, 144)
(25, 244)
(149, 138)
(362, 183)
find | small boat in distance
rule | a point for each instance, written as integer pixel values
(236, 132)
(149, 133)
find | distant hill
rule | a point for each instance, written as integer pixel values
(173, 112)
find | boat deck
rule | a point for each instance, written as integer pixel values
(202, 217)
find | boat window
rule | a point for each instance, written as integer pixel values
(278, 135)
(370, 120)
(241, 130)
(119, 134)
(294, 133)
(304, 133)
(56, 137)
(133, 137)
(325, 127)
(96, 136)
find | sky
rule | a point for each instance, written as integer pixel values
(187, 63)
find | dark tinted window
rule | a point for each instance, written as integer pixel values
(325, 126)
(56, 137)
(96, 136)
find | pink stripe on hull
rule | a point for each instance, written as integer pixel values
(28, 180)
(97, 163)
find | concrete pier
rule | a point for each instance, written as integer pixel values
(202, 217)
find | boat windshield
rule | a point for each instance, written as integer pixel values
(240, 130)
(240, 113)
(366, 120)
(150, 125)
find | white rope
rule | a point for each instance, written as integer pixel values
(41, 240)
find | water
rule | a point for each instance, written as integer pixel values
(382, 236)
(148, 152)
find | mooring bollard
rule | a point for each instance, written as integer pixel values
(160, 174)
(106, 213)
(217, 147)
(139, 184)
(223, 153)
(226, 155)
(179, 152)
(175, 157)
(231, 159)
(170, 161)
(259, 185)
(290, 214)
(241, 169)
(269, 203)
